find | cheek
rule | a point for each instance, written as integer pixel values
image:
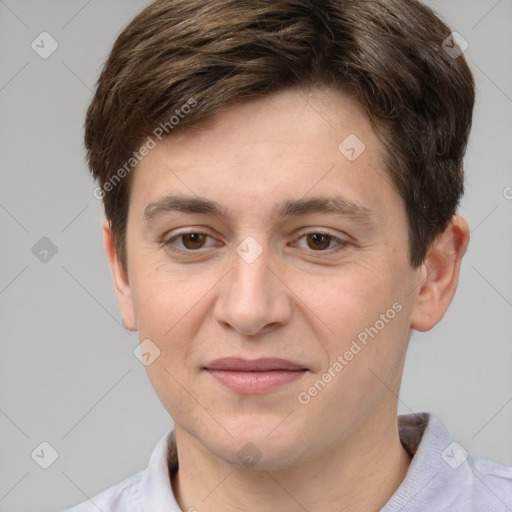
(349, 300)
(367, 313)
(364, 371)
(170, 312)
(166, 301)
(171, 309)
(178, 394)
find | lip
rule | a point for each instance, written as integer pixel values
(255, 365)
(254, 376)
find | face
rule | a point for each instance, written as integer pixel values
(305, 260)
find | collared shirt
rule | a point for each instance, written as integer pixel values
(442, 477)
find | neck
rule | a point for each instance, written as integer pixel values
(361, 472)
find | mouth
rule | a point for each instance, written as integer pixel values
(256, 376)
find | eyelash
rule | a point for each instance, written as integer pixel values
(167, 243)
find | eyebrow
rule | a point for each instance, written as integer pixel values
(293, 207)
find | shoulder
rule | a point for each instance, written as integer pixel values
(148, 490)
(492, 482)
(443, 476)
(121, 497)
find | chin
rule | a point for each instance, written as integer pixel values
(254, 447)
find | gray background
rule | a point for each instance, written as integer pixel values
(68, 375)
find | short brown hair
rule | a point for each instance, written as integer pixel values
(206, 53)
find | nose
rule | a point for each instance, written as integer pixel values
(252, 298)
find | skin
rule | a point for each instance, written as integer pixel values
(301, 300)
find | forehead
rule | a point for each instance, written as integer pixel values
(254, 153)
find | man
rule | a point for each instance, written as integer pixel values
(280, 181)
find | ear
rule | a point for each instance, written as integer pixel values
(439, 275)
(120, 278)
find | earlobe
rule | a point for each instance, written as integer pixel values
(120, 278)
(439, 275)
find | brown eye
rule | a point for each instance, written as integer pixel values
(318, 241)
(193, 240)
(322, 243)
(188, 243)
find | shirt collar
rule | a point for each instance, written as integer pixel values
(156, 490)
(430, 480)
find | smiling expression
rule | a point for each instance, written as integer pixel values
(256, 235)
